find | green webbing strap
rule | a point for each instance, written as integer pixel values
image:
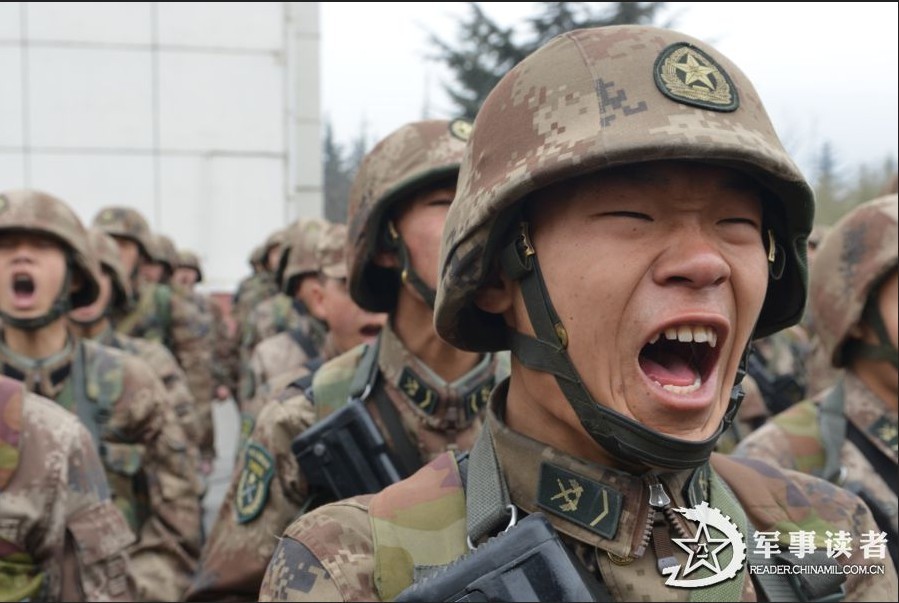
(487, 496)
(85, 408)
(408, 273)
(884, 349)
(364, 384)
(366, 372)
(832, 425)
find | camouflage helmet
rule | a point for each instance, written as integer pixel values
(274, 239)
(598, 98)
(860, 250)
(106, 254)
(330, 252)
(415, 156)
(257, 256)
(125, 223)
(189, 259)
(164, 251)
(300, 243)
(37, 212)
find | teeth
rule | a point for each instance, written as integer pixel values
(686, 334)
(683, 389)
(654, 339)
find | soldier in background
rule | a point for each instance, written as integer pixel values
(848, 433)
(74, 549)
(282, 312)
(238, 548)
(160, 266)
(290, 348)
(625, 223)
(261, 284)
(93, 322)
(189, 273)
(47, 270)
(163, 315)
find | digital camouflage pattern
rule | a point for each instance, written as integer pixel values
(166, 316)
(273, 358)
(332, 553)
(37, 212)
(597, 98)
(415, 156)
(287, 351)
(237, 551)
(862, 248)
(299, 257)
(793, 440)
(252, 290)
(55, 509)
(126, 223)
(150, 471)
(277, 314)
(165, 367)
(241, 544)
(156, 355)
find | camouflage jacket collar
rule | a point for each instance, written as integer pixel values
(870, 415)
(44, 376)
(438, 404)
(604, 508)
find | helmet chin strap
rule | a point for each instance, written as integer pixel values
(883, 350)
(407, 272)
(620, 436)
(61, 306)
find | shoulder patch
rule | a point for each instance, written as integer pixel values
(253, 485)
(689, 76)
(589, 504)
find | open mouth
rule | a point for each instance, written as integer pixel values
(681, 358)
(370, 330)
(23, 285)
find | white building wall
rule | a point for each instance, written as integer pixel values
(203, 116)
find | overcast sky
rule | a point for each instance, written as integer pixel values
(826, 71)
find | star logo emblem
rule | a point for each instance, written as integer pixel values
(699, 551)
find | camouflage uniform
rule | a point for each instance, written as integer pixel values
(259, 286)
(287, 350)
(55, 510)
(156, 355)
(364, 548)
(268, 489)
(224, 366)
(586, 101)
(165, 316)
(241, 544)
(283, 312)
(148, 464)
(278, 314)
(126, 410)
(816, 436)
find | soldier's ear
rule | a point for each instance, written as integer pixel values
(315, 298)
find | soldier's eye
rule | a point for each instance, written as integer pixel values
(747, 221)
(628, 214)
